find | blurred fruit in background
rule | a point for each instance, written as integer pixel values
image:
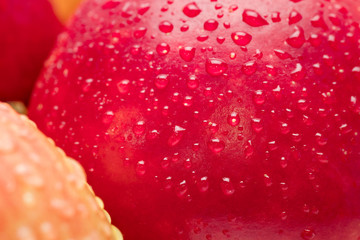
(28, 30)
(64, 9)
(44, 194)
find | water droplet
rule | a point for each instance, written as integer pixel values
(216, 145)
(202, 38)
(165, 163)
(110, 4)
(139, 128)
(294, 17)
(227, 187)
(281, 54)
(187, 163)
(163, 49)
(135, 50)
(334, 19)
(184, 28)
(211, 25)
(298, 73)
(214, 128)
(302, 104)
(321, 157)
(161, 81)
(241, 38)
(297, 39)
(315, 40)
(188, 101)
(140, 168)
(249, 149)
(275, 17)
(308, 234)
(181, 189)
(140, 32)
(226, 25)
(267, 180)
(192, 82)
(356, 72)
(220, 39)
(124, 86)
(233, 8)
(296, 137)
(191, 10)
(187, 53)
(259, 97)
(216, 66)
(283, 162)
(143, 8)
(176, 136)
(253, 18)
(166, 26)
(203, 184)
(249, 68)
(256, 124)
(233, 119)
(318, 21)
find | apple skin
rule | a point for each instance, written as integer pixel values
(28, 31)
(189, 129)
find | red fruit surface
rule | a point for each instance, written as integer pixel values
(212, 119)
(28, 30)
(44, 194)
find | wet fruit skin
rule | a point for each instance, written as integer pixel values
(28, 32)
(44, 194)
(212, 119)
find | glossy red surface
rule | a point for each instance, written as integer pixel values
(212, 119)
(28, 30)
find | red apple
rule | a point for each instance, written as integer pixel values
(44, 194)
(28, 30)
(212, 119)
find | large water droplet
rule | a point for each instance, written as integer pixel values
(216, 145)
(211, 25)
(110, 4)
(139, 128)
(318, 21)
(294, 17)
(143, 8)
(181, 189)
(124, 86)
(192, 82)
(216, 66)
(297, 39)
(176, 136)
(233, 119)
(203, 184)
(281, 54)
(256, 124)
(227, 187)
(241, 38)
(161, 81)
(275, 17)
(253, 18)
(191, 10)
(267, 180)
(163, 49)
(140, 168)
(298, 73)
(308, 234)
(140, 32)
(187, 53)
(166, 26)
(249, 68)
